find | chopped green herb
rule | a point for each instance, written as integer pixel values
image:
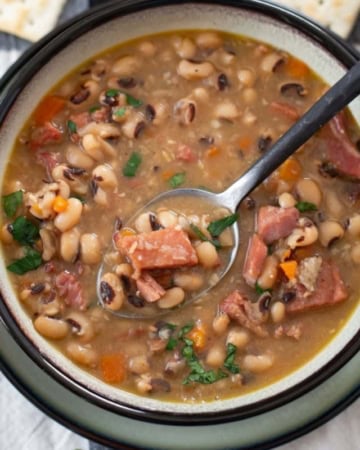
(71, 126)
(94, 108)
(229, 362)
(177, 180)
(218, 226)
(305, 206)
(259, 290)
(200, 235)
(171, 344)
(79, 197)
(112, 92)
(132, 101)
(170, 326)
(31, 261)
(11, 203)
(132, 165)
(185, 330)
(24, 231)
(120, 112)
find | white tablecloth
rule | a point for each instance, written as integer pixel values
(24, 427)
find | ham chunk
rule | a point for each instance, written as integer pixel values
(70, 289)
(254, 259)
(245, 313)
(44, 135)
(329, 290)
(341, 152)
(161, 249)
(149, 288)
(275, 223)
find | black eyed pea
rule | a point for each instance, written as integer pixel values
(48, 240)
(51, 328)
(90, 248)
(306, 233)
(81, 326)
(271, 61)
(277, 312)
(63, 172)
(111, 291)
(216, 355)
(6, 236)
(147, 48)
(194, 70)
(208, 40)
(126, 65)
(329, 232)
(92, 147)
(257, 363)
(167, 218)
(355, 253)
(207, 255)
(133, 127)
(308, 191)
(334, 205)
(124, 269)
(50, 308)
(67, 219)
(189, 281)
(99, 195)
(220, 323)
(70, 245)
(139, 364)
(171, 298)
(185, 48)
(353, 227)
(82, 354)
(161, 112)
(105, 176)
(286, 200)
(142, 223)
(64, 189)
(246, 77)
(269, 273)
(77, 158)
(185, 111)
(238, 337)
(227, 111)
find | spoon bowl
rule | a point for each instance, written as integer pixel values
(334, 100)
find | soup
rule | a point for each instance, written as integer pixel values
(189, 109)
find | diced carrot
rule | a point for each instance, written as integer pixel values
(244, 143)
(167, 174)
(290, 170)
(296, 68)
(198, 336)
(60, 204)
(48, 108)
(212, 151)
(113, 368)
(37, 208)
(289, 268)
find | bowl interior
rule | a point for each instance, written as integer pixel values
(122, 28)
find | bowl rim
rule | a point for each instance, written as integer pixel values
(31, 62)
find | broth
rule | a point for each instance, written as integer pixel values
(189, 109)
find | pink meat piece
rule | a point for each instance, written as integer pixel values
(149, 288)
(162, 249)
(185, 153)
(275, 223)
(341, 152)
(80, 119)
(44, 135)
(49, 160)
(329, 290)
(245, 313)
(254, 260)
(70, 289)
(101, 115)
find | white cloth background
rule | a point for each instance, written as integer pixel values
(24, 427)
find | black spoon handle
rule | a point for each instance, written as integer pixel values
(334, 100)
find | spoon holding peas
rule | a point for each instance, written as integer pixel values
(334, 100)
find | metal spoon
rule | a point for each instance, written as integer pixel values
(335, 99)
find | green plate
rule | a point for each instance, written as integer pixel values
(261, 431)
